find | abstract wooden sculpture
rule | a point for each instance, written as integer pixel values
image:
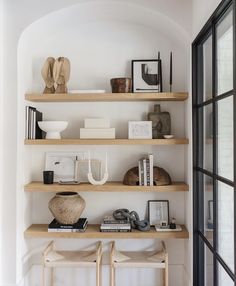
(61, 74)
(47, 74)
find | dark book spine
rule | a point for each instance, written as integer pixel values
(38, 131)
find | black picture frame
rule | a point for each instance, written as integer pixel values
(152, 212)
(142, 80)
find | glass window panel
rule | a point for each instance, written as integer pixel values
(207, 69)
(208, 138)
(223, 277)
(225, 223)
(224, 32)
(209, 270)
(208, 208)
(225, 135)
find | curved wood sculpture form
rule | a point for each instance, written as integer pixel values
(61, 74)
(47, 74)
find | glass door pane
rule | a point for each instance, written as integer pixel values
(224, 33)
(225, 223)
(223, 277)
(207, 68)
(208, 208)
(208, 138)
(225, 136)
(209, 268)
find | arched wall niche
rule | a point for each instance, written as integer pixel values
(100, 38)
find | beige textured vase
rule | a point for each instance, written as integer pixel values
(67, 207)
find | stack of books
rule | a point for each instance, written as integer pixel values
(145, 168)
(110, 224)
(79, 226)
(97, 128)
(32, 116)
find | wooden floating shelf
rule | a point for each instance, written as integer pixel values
(174, 141)
(108, 187)
(92, 231)
(107, 97)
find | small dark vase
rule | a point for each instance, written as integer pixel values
(161, 122)
(121, 85)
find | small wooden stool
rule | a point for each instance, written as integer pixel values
(139, 259)
(53, 258)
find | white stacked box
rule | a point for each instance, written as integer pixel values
(97, 128)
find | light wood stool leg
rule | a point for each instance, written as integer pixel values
(112, 275)
(52, 276)
(43, 276)
(166, 271)
(98, 274)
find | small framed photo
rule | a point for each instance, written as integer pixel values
(140, 130)
(158, 213)
(63, 164)
(146, 75)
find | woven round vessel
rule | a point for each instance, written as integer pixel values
(67, 207)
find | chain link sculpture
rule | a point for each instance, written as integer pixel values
(133, 218)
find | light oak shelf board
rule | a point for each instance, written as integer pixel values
(107, 97)
(174, 141)
(108, 187)
(92, 231)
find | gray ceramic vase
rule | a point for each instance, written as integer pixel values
(67, 207)
(161, 122)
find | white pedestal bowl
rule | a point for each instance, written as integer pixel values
(53, 128)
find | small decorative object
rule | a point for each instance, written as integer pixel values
(146, 75)
(172, 223)
(133, 218)
(47, 74)
(140, 129)
(160, 177)
(63, 165)
(168, 136)
(90, 175)
(158, 212)
(164, 224)
(121, 85)
(48, 177)
(171, 72)
(53, 128)
(161, 123)
(67, 207)
(210, 215)
(61, 74)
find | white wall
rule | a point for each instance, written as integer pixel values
(202, 10)
(14, 199)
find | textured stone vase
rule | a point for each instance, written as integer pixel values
(67, 207)
(161, 123)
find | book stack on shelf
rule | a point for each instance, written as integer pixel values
(79, 226)
(97, 128)
(32, 130)
(145, 168)
(110, 224)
